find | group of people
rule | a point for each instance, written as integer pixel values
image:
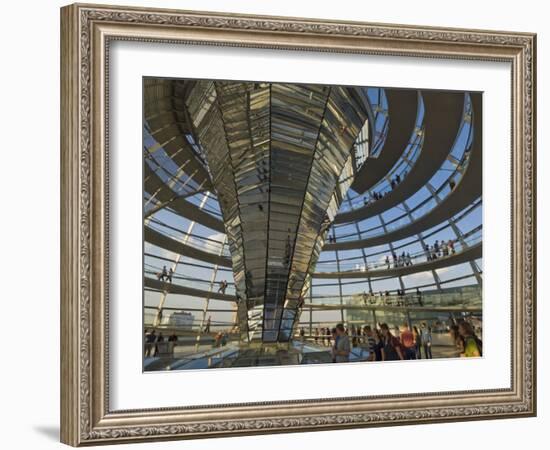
(374, 195)
(403, 260)
(165, 275)
(379, 342)
(152, 340)
(435, 251)
(403, 343)
(386, 298)
(322, 335)
(440, 249)
(221, 338)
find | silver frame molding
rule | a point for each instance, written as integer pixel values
(86, 31)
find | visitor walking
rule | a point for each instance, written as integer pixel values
(370, 342)
(391, 347)
(417, 342)
(207, 326)
(426, 339)
(419, 297)
(341, 349)
(160, 340)
(223, 287)
(162, 275)
(378, 344)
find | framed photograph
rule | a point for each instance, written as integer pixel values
(277, 224)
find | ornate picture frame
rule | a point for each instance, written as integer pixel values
(86, 34)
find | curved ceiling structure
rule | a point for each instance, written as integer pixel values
(402, 125)
(466, 191)
(439, 137)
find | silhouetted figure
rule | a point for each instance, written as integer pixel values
(207, 326)
(223, 287)
(163, 275)
(150, 339)
(160, 339)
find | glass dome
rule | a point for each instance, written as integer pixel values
(403, 246)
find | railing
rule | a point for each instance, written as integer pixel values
(460, 297)
(199, 242)
(193, 327)
(360, 309)
(357, 264)
(179, 279)
(471, 238)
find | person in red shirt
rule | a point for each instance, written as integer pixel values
(408, 342)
